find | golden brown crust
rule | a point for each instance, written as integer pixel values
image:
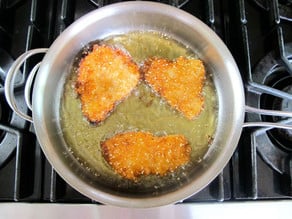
(180, 82)
(106, 76)
(133, 154)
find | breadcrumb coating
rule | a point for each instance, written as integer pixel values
(106, 76)
(133, 154)
(180, 82)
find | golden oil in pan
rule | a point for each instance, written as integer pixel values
(143, 110)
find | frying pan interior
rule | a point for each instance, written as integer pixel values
(118, 19)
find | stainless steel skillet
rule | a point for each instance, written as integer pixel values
(118, 19)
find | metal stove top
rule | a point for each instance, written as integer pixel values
(259, 35)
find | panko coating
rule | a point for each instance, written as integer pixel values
(180, 82)
(136, 153)
(106, 76)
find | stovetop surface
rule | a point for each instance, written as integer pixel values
(257, 33)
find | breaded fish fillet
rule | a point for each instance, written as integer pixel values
(132, 154)
(106, 76)
(179, 81)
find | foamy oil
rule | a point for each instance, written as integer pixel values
(143, 110)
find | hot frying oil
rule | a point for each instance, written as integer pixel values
(143, 110)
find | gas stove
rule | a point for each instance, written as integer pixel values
(258, 34)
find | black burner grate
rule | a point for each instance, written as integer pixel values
(249, 32)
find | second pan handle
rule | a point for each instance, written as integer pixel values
(10, 78)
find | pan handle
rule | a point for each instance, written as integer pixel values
(10, 78)
(270, 125)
